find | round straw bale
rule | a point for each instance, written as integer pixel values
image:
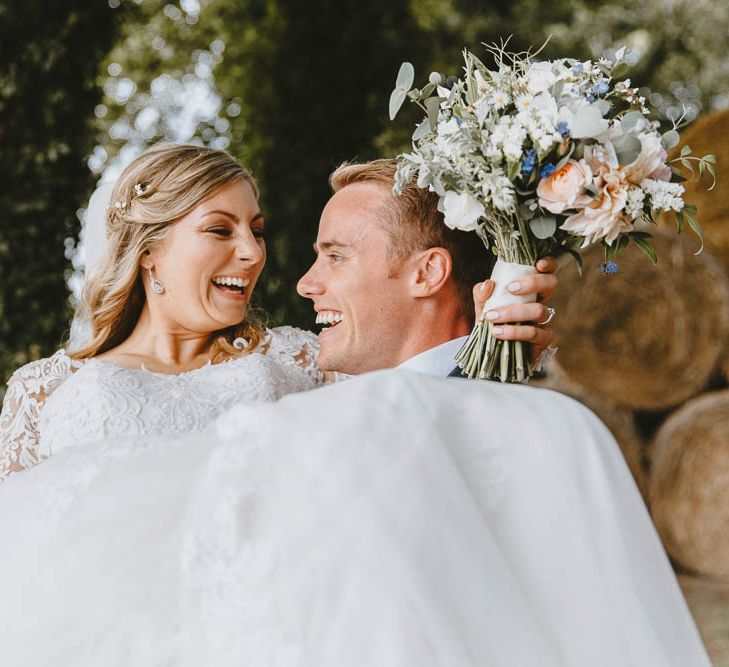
(649, 336)
(709, 600)
(709, 135)
(689, 484)
(619, 421)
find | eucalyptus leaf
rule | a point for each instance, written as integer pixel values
(405, 77)
(427, 91)
(621, 69)
(543, 226)
(627, 148)
(604, 107)
(670, 139)
(524, 212)
(396, 101)
(630, 120)
(432, 104)
(421, 130)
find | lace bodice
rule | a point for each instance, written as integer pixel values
(58, 402)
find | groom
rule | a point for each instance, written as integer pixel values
(396, 284)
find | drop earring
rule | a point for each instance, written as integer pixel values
(157, 286)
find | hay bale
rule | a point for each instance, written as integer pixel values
(709, 604)
(649, 336)
(619, 421)
(689, 484)
(709, 134)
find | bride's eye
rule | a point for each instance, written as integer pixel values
(220, 231)
(259, 233)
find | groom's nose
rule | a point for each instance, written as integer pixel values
(309, 285)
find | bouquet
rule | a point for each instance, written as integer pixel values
(540, 158)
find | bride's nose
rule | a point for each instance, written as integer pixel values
(249, 249)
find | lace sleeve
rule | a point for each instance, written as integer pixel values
(28, 389)
(297, 349)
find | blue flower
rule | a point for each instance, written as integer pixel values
(600, 88)
(577, 69)
(529, 162)
(609, 267)
(547, 170)
(563, 129)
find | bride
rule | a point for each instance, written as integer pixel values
(188, 517)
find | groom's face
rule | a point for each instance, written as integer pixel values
(360, 292)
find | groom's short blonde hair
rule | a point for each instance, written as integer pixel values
(414, 223)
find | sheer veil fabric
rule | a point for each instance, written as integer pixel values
(393, 519)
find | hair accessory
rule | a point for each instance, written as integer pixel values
(241, 343)
(139, 189)
(157, 286)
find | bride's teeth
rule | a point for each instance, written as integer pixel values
(237, 282)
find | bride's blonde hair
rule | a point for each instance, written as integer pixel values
(158, 188)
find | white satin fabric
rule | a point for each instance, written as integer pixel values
(391, 520)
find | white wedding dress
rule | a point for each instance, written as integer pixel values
(395, 519)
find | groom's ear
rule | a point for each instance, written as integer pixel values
(431, 272)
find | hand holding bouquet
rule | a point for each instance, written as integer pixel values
(539, 158)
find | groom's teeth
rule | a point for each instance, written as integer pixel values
(329, 317)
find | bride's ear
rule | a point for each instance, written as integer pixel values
(146, 262)
(432, 271)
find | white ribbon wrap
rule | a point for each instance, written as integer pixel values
(503, 275)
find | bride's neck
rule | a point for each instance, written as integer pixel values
(165, 342)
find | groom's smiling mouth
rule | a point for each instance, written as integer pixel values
(329, 318)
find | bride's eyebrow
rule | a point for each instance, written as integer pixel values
(233, 217)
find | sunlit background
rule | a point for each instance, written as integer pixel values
(292, 88)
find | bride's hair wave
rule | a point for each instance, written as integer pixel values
(158, 188)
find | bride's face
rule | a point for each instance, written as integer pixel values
(209, 263)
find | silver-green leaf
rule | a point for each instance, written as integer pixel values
(543, 226)
(627, 148)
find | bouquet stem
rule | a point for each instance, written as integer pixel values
(487, 357)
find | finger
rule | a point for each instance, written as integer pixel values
(543, 285)
(547, 265)
(481, 293)
(537, 336)
(527, 313)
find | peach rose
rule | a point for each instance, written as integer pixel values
(563, 189)
(603, 218)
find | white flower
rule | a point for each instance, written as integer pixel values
(585, 121)
(462, 211)
(500, 99)
(634, 205)
(447, 128)
(540, 77)
(664, 196)
(524, 102)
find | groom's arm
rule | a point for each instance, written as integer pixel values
(543, 284)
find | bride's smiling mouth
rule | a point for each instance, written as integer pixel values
(235, 287)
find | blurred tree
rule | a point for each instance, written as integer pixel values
(302, 93)
(49, 54)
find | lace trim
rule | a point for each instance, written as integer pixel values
(28, 389)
